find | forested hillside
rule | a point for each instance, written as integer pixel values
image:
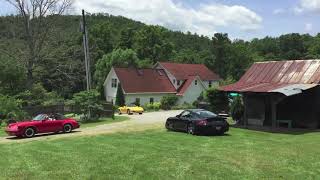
(120, 41)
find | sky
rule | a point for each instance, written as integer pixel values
(241, 19)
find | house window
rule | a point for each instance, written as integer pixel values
(178, 82)
(210, 84)
(151, 100)
(195, 82)
(137, 103)
(114, 83)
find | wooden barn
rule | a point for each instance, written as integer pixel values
(281, 94)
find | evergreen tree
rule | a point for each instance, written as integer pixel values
(120, 101)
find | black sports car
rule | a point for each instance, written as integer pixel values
(198, 121)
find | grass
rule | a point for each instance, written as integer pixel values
(102, 121)
(158, 154)
(95, 123)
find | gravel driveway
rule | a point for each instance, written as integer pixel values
(137, 122)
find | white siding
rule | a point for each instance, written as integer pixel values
(144, 98)
(192, 93)
(110, 92)
(213, 84)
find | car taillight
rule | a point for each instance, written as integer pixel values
(202, 122)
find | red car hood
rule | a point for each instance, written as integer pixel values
(28, 122)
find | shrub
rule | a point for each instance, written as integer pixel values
(152, 106)
(237, 109)
(218, 100)
(168, 101)
(11, 108)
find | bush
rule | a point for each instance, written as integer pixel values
(237, 109)
(167, 102)
(218, 100)
(152, 106)
(185, 105)
(85, 102)
(11, 108)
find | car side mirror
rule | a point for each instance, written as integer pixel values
(178, 116)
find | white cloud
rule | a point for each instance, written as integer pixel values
(308, 6)
(308, 27)
(203, 20)
(278, 11)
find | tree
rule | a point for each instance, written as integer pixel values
(37, 26)
(218, 100)
(102, 37)
(118, 58)
(291, 46)
(151, 43)
(221, 49)
(240, 59)
(87, 101)
(126, 39)
(120, 100)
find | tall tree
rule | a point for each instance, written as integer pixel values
(126, 39)
(151, 43)
(221, 48)
(120, 100)
(37, 26)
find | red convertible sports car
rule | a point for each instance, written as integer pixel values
(42, 123)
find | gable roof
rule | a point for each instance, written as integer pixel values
(186, 84)
(286, 77)
(183, 71)
(144, 80)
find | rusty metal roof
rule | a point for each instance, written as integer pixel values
(285, 77)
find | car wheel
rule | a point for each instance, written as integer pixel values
(29, 132)
(169, 126)
(190, 129)
(140, 113)
(67, 128)
(129, 112)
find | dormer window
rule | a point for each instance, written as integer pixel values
(210, 84)
(114, 83)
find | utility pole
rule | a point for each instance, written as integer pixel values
(86, 50)
(86, 54)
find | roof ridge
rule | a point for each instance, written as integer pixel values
(266, 61)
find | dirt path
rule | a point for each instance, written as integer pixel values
(142, 122)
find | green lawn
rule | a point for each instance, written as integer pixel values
(84, 125)
(102, 121)
(158, 154)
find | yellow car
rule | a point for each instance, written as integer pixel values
(130, 109)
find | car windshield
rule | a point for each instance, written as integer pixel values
(131, 105)
(205, 114)
(40, 117)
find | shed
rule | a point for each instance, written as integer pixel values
(281, 93)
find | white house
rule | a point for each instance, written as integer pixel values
(149, 85)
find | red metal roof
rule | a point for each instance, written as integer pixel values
(272, 75)
(144, 80)
(183, 71)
